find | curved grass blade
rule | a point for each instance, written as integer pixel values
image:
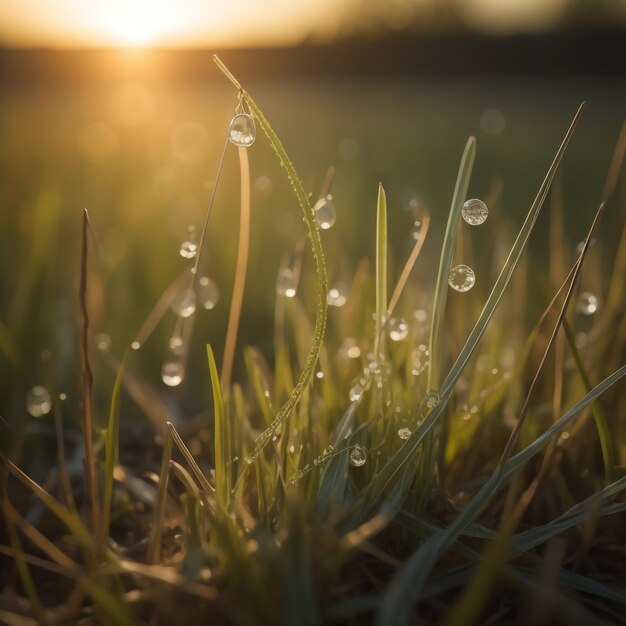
(381, 269)
(318, 257)
(445, 261)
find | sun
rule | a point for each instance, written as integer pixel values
(137, 23)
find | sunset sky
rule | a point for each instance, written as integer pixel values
(74, 23)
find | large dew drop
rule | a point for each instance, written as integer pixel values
(286, 283)
(358, 456)
(242, 130)
(587, 303)
(185, 303)
(461, 278)
(475, 212)
(208, 292)
(325, 213)
(38, 401)
(398, 329)
(172, 372)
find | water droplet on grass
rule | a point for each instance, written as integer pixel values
(38, 401)
(286, 283)
(103, 342)
(172, 372)
(188, 249)
(135, 345)
(336, 296)
(185, 304)
(404, 433)
(358, 456)
(475, 212)
(325, 214)
(432, 399)
(461, 278)
(208, 292)
(398, 329)
(587, 303)
(356, 391)
(242, 130)
(349, 349)
(176, 343)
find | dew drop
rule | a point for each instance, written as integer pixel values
(404, 433)
(103, 342)
(336, 296)
(135, 345)
(38, 401)
(62, 396)
(325, 214)
(358, 456)
(417, 229)
(185, 304)
(475, 212)
(286, 283)
(242, 130)
(587, 303)
(349, 349)
(188, 249)
(398, 329)
(172, 372)
(208, 292)
(461, 278)
(176, 343)
(420, 315)
(356, 391)
(432, 399)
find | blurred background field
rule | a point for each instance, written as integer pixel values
(134, 136)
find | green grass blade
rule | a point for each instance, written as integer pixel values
(222, 446)
(111, 447)
(602, 426)
(154, 547)
(396, 606)
(445, 262)
(318, 257)
(381, 269)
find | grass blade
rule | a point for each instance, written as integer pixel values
(154, 548)
(318, 257)
(381, 269)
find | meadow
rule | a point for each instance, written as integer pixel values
(407, 479)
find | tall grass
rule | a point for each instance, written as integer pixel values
(331, 488)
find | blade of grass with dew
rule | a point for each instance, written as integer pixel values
(158, 522)
(604, 432)
(111, 447)
(222, 438)
(318, 257)
(393, 466)
(241, 267)
(445, 262)
(394, 608)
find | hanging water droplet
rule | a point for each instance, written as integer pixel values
(185, 304)
(208, 292)
(336, 296)
(325, 214)
(286, 283)
(475, 212)
(176, 343)
(398, 329)
(420, 315)
(404, 433)
(188, 249)
(135, 345)
(103, 342)
(242, 130)
(417, 229)
(172, 371)
(587, 303)
(461, 278)
(356, 391)
(432, 399)
(349, 349)
(358, 456)
(38, 401)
